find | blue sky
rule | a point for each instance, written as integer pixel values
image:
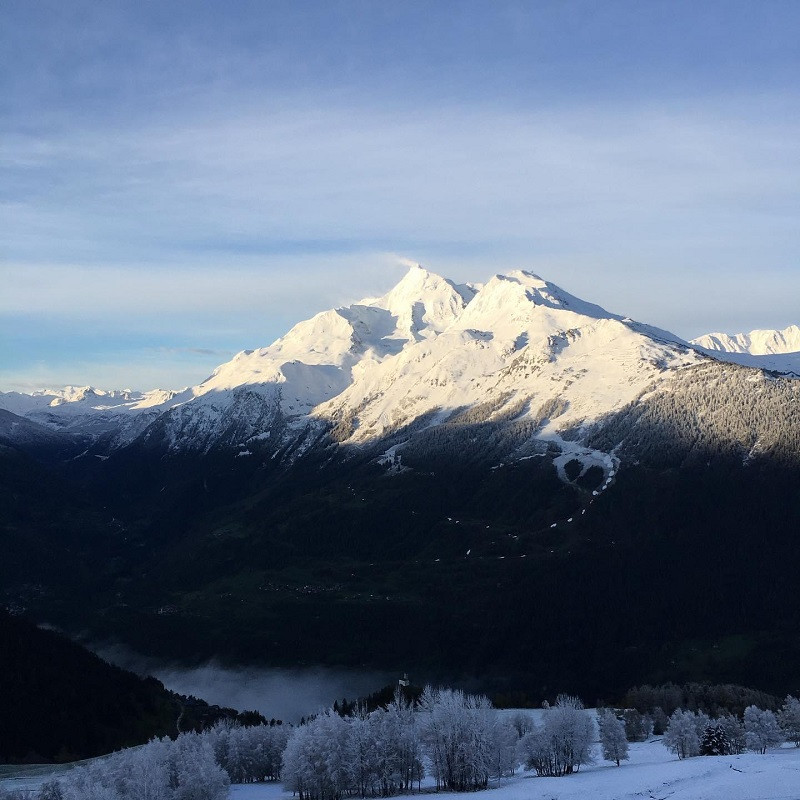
(179, 181)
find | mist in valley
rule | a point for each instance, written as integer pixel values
(285, 694)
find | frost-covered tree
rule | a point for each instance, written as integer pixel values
(184, 769)
(459, 733)
(249, 754)
(296, 758)
(195, 773)
(613, 741)
(504, 741)
(733, 728)
(789, 718)
(396, 741)
(95, 781)
(146, 772)
(522, 723)
(50, 790)
(701, 723)
(364, 754)
(761, 729)
(563, 743)
(681, 736)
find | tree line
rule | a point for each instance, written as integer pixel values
(457, 740)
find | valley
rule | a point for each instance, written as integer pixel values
(501, 485)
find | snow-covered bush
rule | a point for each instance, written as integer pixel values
(761, 729)
(789, 719)
(563, 742)
(681, 736)
(613, 741)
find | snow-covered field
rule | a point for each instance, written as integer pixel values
(652, 773)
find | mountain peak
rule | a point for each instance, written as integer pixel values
(418, 279)
(424, 303)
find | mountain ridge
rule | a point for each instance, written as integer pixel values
(308, 375)
(524, 456)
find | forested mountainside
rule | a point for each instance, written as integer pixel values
(61, 703)
(502, 483)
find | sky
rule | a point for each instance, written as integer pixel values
(183, 180)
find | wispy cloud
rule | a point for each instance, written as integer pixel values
(243, 210)
(202, 351)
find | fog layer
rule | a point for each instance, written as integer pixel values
(286, 694)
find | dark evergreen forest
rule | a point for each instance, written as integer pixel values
(498, 576)
(59, 702)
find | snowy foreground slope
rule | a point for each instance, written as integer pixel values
(651, 772)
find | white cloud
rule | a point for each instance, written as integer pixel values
(583, 177)
(216, 293)
(239, 226)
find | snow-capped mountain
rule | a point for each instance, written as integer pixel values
(79, 400)
(757, 343)
(518, 351)
(261, 393)
(118, 415)
(315, 360)
(521, 344)
(777, 350)
(437, 463)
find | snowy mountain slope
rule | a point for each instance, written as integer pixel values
(522, 344)
(776, 350)
(276, 387)
(757, 343)
(458, 440)
(315, 359)
(36, 439)
(516, 352)
(117, 417)
(78, 400)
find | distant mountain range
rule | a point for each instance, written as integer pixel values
(428, 352)
(396, 476)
